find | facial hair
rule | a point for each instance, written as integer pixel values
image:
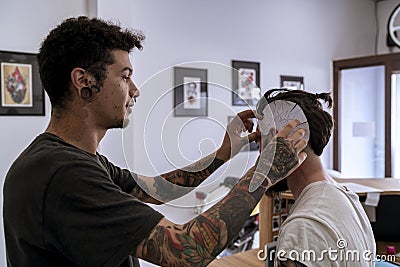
(280, 186)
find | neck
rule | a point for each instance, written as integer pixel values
(310, 171)
(75, 129)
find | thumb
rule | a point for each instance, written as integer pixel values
(302, 157)
(256, 136)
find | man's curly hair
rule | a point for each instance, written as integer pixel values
(81, 42)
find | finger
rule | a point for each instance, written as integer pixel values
(300, 145)
(247, 114)
(273, 131)
(285, 131)
(297, 135)
(256, 136)
(268, 137)
(248, 125)
(302, 157)
(259, 116)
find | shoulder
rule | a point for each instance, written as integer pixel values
(50, 148)
(306, 231)
(51, 160)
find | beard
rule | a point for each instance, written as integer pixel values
(280, 186)
(119, 124)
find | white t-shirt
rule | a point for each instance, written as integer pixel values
(327, 226)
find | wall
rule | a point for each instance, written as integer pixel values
(287, 38)
(23, 26)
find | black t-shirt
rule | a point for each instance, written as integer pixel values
(66, 207)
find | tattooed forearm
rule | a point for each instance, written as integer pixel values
(192, 244)
(199, 241)
(178, 183)
(142, 192)
(175, 184)
(194, 174)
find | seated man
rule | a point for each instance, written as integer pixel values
(327, 225)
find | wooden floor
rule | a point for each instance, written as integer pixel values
(250, 259)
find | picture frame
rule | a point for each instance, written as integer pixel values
(292, 82)
(276, 224)
(245, 83)
(21, 92)
(252, 146)
(190, 92)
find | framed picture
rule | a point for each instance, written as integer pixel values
(190, 92)
(276, 223)
(292, 82)
(245, 83)
(21, 91)
(251, 146)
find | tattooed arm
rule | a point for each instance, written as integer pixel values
(172, 185)
(199, 241)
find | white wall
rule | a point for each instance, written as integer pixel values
(23, 25)
(286, 37)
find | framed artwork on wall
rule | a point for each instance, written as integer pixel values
(190, 92)
(21, 91)
(245, 83)
(292, 82)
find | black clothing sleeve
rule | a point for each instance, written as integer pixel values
(121, 177)
(66, 207)
(91, 220)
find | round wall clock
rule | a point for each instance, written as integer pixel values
(394, 27)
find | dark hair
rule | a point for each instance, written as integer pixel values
(81, 42)
(319, 121)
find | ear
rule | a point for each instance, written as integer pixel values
(80, 78)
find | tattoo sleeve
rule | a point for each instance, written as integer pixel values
(172, 185)
(194, 174)
(199, 241)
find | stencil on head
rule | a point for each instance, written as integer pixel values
(278, 113)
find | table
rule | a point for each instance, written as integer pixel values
(248, 258)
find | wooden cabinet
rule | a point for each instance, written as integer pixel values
(273, 211)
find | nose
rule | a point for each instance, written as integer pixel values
(134, 91)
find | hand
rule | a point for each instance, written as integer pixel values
(233, 139)
(281, 156)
